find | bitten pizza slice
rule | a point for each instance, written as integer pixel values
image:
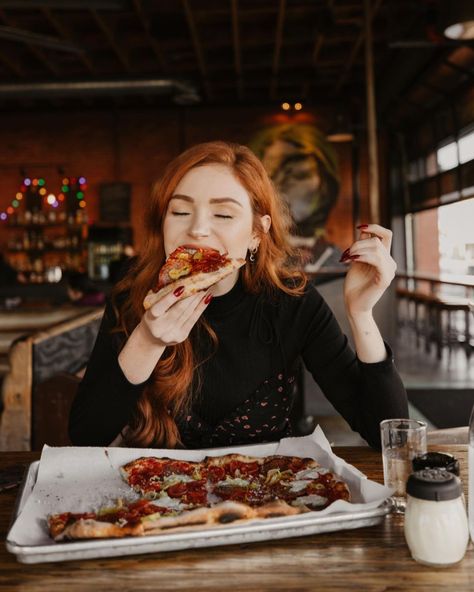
(193, 268)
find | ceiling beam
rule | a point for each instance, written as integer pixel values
(13, 66)
(318, 44)
(355, 49)
(38, 53)
(277, 50)
(197, 47)
(237, 52)
(103, 26)
(145, 23)
(61, 30)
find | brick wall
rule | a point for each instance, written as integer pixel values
(134, 146)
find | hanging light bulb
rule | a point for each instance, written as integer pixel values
(457, 19)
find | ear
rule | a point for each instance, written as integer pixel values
(265, 222)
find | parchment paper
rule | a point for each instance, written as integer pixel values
(82, 479)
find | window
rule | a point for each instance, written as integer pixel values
(466, 148)
(447, 156)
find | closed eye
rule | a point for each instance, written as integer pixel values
(223, 216)
(180, 213)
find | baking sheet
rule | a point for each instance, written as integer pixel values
(83, 479)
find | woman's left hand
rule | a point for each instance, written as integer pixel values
(371, 271)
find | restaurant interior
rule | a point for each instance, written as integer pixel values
(97, 97)
(361, 111)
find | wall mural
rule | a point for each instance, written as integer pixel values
(303, 165)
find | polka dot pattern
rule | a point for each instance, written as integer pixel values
(262, 417)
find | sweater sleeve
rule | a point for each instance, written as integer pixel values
(363, 393)
(105, 400)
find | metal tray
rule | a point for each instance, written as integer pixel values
(253, 531)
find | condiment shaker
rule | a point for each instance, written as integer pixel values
(436, 526)
(436, 460)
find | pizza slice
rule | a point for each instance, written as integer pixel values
(194, 268)
(167, 479)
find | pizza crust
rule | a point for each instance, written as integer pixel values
(193, 283)
(95, 529)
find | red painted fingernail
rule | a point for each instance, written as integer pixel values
(345, 255)
(178, 291)
(208, 298)
(363, 226)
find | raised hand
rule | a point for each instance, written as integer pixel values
(371, 271)
(170, 320)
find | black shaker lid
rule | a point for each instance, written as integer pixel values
(434, 484)
(436, 460)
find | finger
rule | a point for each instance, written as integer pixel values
(166, 302)
(182, 309)
(368, 243)
(384, 234)
(197, 312)
(199, 301)
(386, 268)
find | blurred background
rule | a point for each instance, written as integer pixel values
(360, 110)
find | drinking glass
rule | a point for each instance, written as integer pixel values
(402, 440)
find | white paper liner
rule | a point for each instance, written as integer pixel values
(82, 479)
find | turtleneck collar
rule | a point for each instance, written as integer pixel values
(220, 305)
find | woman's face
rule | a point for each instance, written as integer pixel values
(210, 208)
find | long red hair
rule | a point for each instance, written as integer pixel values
(169, 392)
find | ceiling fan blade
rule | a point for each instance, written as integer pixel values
(22, 36)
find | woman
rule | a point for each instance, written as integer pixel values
(217, 368)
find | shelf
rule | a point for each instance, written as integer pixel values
(49, 250)
(48, 225)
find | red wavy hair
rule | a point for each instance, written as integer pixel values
(169, 391)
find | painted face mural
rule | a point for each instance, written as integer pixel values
(303, 165)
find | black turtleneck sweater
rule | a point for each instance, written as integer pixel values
(247, 384)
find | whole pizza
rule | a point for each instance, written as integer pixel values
(217, 490)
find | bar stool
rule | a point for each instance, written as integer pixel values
(447, 332)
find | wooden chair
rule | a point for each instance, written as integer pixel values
(447, 333)
(34, 361)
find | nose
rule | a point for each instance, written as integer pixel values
(199, 225)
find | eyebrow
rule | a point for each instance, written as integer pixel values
(217, 200)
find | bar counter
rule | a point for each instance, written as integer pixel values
(369, 559)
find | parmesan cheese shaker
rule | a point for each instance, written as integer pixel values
(436, 526)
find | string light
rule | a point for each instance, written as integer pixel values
(286, 106)
(37, 186)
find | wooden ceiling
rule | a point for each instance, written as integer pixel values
(222, 52)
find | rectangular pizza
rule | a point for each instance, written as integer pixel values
(177, 494)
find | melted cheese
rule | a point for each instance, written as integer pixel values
(311, 473)
(169, 502)
(175, 479)
(298, 485)
(237, 481)
(313, 500)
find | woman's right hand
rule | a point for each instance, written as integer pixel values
(171, 319)
(167, 322)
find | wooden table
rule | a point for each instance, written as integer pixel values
(373, 559)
